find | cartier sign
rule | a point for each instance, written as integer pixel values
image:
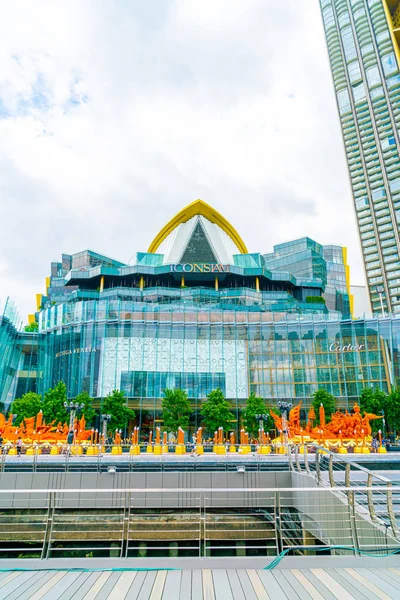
(199, 268)
(336, 347)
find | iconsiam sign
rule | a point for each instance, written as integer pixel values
(344, 430)
(34, 430)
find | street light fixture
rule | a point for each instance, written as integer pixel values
(105, 419)
(284, 407)
(261, 418)
(72, 408)
(380, 289)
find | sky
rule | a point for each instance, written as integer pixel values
(116, 114)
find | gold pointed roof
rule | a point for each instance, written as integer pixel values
(198, 207)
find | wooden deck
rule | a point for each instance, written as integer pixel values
(206, 584)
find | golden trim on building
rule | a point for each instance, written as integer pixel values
(392, 12)
(38, 301)
(198, 207)
(347, 271)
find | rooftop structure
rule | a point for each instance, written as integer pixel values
(199, 258)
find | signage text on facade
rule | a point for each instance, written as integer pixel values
(75, 351)
(336, 347)
(199, 268)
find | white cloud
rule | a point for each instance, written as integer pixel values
(114, 115)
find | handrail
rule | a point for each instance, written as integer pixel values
(193, 490)
(370, 495)
(345, 459)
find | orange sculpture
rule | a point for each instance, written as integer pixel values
(158, 436)
(342, 427)
(181, 436)
(199, 436)
(220, 435)
(322, 421)
(135, 436)
(311, 419)
(294, 417)
(34, 429)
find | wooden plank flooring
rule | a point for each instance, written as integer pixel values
(206, 584)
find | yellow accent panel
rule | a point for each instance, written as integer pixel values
(31, 319)
(347, 271)
(391, 7)
(385, 362)
(38, 301)
(198, 207)
(216, 284)
(47, 284)
(396, 16)
(101, 283)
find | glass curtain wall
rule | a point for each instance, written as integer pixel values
(10, 354)
(105, 346)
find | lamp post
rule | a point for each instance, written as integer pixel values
(104, 419)
(383, 423)
(380, 289)
(261, 418)
(284, 407)
(72, 408)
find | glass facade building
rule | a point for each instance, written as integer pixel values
(275, 355)
(10, 351)
(278, 324)
(362, 38)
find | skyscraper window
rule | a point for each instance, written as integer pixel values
(364, 56)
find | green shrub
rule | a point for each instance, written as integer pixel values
(315, 300)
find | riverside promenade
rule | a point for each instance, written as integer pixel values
(310, 579)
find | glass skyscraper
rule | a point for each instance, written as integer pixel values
(362, 38)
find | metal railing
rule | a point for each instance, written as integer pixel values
(373, 493)
(189, 522)
(68, 461)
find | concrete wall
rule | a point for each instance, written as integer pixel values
(161, 482)
(362, 306)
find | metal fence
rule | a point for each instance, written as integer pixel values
(195, 522)
(338, 507)
(68, 461)
(368, 490)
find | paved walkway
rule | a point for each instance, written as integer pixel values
(206, 584)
